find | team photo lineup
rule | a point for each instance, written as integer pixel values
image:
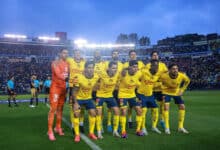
(109, 75)
(122, 87)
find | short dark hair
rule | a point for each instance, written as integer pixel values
(171, 65)
(111, 63)
(10, 76)
(89, 63)
(151, 54)
(133, 62)
(131, 51)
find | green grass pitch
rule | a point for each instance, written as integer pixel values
(25, 128)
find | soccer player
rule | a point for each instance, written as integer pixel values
(47, 84)
(174, 83)
(37, 89)
(76, 67)
(57, 93)
(162, 68)
(82, 96)
(107, 83)
(145, 94)
(33, 91)
(100, 66)
(132, 56)
(115, 57)
(129, 81)
(11, 91)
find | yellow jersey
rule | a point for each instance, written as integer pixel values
(162, 68)
(75, 69)
(172, 86)
(100, 67)
(147, 82)
(85, 86)
(107, 85)
(140, 65)
(128, 84)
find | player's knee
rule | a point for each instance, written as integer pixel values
(166, 106)
(52, 110)
(92, 113)
(123, 112)
(98, 111)
(116, 111)
(182, 107)
(139, 111)
(76, 114)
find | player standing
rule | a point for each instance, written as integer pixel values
(76, 67)
(57, 93)
(11, 91)
(162, 68)
(174, 83)
(132, 56)
(129, 81)
(107, 83)
(82, 97)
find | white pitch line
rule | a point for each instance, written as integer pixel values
(91, 144)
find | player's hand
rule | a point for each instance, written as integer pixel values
(180, 93)
(76, 106)
(70, 100)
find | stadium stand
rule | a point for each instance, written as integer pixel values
(199, 60)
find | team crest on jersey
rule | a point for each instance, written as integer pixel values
(131, 81)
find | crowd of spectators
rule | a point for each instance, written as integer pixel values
(15, 59)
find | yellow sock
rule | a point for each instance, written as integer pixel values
(161, 103)
(181, 118)
(129, 114)
(115, 122)
(139, 122)
(91, 124)
(71, 116)
(144, 112)
(155, 116)
(76, 125)
(123, 123)
(166, 118)
(109, 122)
(98, 123)
(82, 113)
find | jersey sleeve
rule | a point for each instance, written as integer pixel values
(186, 82)
(56, 70)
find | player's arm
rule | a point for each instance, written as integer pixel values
(97, 85)
(75, 105)
(32, 83)
(185, 84)
(164, 68)
(58, 72)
